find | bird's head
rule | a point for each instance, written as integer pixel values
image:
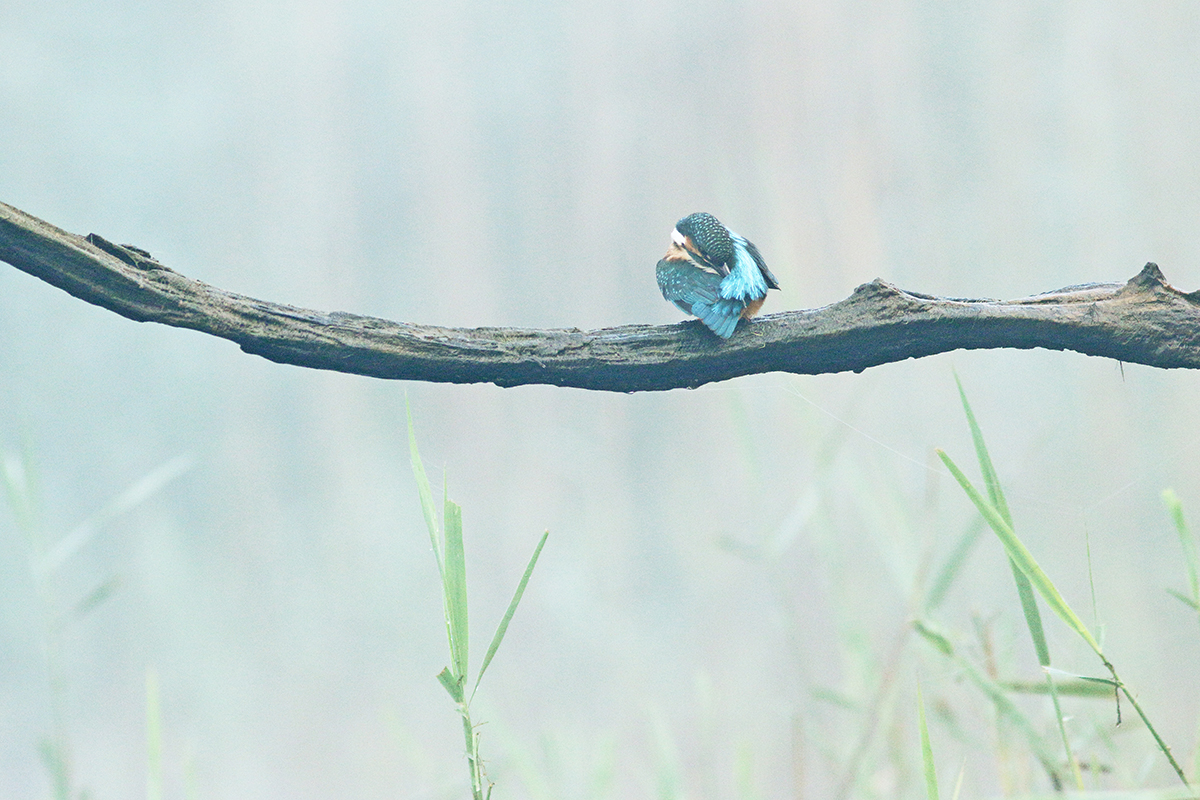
(702, 237)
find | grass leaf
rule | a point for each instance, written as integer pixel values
(134, 495)
(454, 583)
(20, 487)
(55, 761)
(1081, 686)
(986, 468)
(1029, 607)
(1021, 556)
(453, 685)
(508, 615)
(91, 600)
(1183, 598)
(931, 787)
(425, 493)
(1187, 540)
(933, 636)
(940, 586)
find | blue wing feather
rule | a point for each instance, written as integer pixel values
(685, 284)
(748, 277)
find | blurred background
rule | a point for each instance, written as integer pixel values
(723, 606)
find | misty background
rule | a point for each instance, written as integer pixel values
(730, 571)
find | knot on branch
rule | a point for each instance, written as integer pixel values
(1151, 281)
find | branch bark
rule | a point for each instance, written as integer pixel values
(1143, 321)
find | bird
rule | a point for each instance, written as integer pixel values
(712, 273)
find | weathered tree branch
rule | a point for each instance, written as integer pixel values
(1144, 321)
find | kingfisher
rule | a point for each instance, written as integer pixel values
(712, 273)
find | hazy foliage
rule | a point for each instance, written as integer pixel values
(726, 606)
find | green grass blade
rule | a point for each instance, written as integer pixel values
(55, 761)
(425, 492)
(935, 637)
(133, 496)
(931, 787)
(940, 586)
(990, 479)
(1029, 607)
(962, 772)
(1080, 686)
(1033, 617)
(20, 487)
(1183, 598)
(454, 584)
(1187, 540)
(1021, 556)
(502, 628)
(90, 601)
(453, 685)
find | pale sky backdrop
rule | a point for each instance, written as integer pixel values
(730, 571)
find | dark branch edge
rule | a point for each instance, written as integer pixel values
(1143, 321)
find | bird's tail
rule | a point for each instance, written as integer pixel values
(721, 316)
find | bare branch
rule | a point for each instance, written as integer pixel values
(1144, 321)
